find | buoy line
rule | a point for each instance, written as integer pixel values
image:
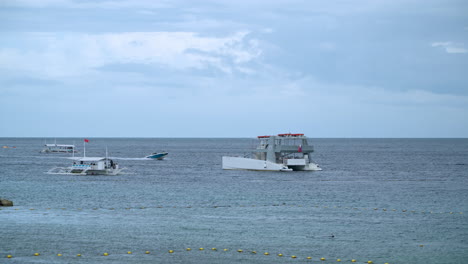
(158, 253)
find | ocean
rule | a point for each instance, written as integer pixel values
(379, 200)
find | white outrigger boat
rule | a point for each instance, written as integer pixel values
(58, 148)
(284, 152)
(89, 166)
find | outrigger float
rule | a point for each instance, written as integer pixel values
(284, 152)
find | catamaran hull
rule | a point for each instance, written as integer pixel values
(239, 163)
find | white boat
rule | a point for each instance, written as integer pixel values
(58, 148)
(283, 152)
(89, 166)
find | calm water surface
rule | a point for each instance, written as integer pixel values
(385, 200)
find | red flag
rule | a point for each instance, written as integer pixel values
(86, 140)
(299, 149)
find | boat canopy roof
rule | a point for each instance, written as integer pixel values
(58, 145)
(88, 158)
(285, 135)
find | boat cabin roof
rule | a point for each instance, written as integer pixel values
(88, 158)
(58, 145)
(284, 135)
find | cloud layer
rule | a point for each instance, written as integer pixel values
(64, 54)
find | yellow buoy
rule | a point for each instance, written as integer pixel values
(9, 256)
(147, 252)
(254, 252)
(171, 251)
(78, 255)
(36, 254)
(105, 254)
(338, 260)
(201, 248)
(214, 249)
(421, 245)
(280, 255)
(293, 256)
(225, 249)
(59, 255)
(188, 249)
(266, 253)
(240, 250)
(129, 252)
(322, 259)
(353, 260)
(309, 257)
(369, 262)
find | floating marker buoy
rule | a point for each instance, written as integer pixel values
(105, 254)
(201, 248)
(188, 249)
(129, 252)
(9, 256)
(78, 255)
(309, 258)
(214, 249)
(36, 254)
(59, 255)
(280, 255)
(254, 252)
(338, 260)
(240, 250)
(353, 260)
(266, 253)
(293, 256)
(369, 262)
(225, 249)
(171, 251)
(421, 245)
(147, 252)
(322, 259)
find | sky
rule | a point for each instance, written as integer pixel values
(144, 68)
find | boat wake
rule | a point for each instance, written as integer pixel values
(116, 158)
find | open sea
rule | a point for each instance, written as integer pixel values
(379, 200)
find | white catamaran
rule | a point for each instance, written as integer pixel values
(284, 152)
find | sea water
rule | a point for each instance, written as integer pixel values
(380, 200)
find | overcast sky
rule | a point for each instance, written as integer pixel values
(144, 68)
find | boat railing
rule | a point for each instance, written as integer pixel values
(81, 166)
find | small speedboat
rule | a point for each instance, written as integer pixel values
(157, 155)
